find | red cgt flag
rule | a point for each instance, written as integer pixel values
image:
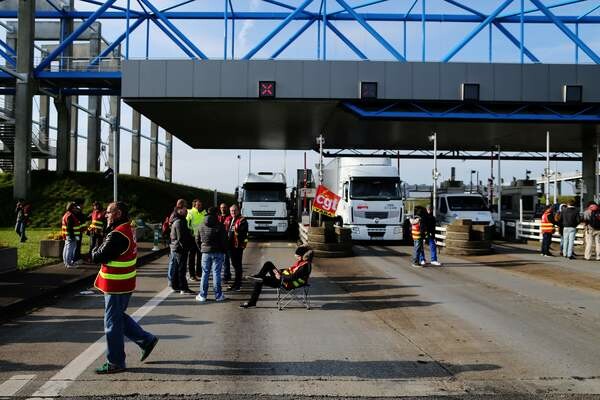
(326, 201)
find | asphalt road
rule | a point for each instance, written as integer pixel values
(511, 325)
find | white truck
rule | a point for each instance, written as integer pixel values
(371, 203)
(264, 203)
(454, 205)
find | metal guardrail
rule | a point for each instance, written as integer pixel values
(531, 230)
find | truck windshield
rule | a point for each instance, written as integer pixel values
(264, 193)
(373, 188)
(466, 203)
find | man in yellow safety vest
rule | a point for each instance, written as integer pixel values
(195, 218)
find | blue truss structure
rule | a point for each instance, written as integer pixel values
(327, 15)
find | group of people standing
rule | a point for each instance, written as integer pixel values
(423, 225)
(567, 219)
(211, 241)
(75, 224)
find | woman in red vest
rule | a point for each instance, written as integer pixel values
(116, 279)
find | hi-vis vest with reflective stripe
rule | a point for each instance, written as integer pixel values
(118, 276)
(65, 223)
(290, 271)
(416, 231)
(236, 226)
(97, 225)
(546, 226)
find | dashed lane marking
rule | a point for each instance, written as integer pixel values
(66, 376)
(14, 384)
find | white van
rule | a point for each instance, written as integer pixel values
(473, 206)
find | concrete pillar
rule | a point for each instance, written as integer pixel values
(153, 150)
(63, 134)
(115, 117)
(44, 130)
(169, 158)
(94, 133)
(589, 165)
(136, 126)
(94, 124)
(24, 99)
(73, 137)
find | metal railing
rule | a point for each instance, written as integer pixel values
(531, 230)
(440, 236)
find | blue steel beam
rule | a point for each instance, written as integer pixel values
(370, 3)
(348, 43)
(115, 43)
(501, 28)
(8, 49)
(292, 39)
(378, 115)
(475, 31)
(71, 38)
(10, 59)
(287, 6)
(177, 5)
(372, 31)
(532, 10)
(99, 3)
(590, 53)
(173, 38)
(277, 29)
(176, 31)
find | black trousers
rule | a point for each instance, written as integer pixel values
(235, 257)
(77, 255)
(194, 261)
(95, 240)
(268, 275)
(226, 268)
(546, 240)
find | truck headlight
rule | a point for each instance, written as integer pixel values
(397, 230)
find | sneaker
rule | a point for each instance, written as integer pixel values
(194, 278)
(201, 299)
(436, 263)
(187, 291)
(146, 352)
(423, 263)
(247, 305)
(108, 368)
(221, 298)
(571, 258)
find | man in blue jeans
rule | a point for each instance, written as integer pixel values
(430, 224)
(116, 279)
(569, 219)
(214, 244)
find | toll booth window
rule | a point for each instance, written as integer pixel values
(466, 203)
(375, 189)
(507, 203)
(528, 203)
(443, 206)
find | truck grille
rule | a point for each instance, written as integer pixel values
(260, 213)
(376, 214)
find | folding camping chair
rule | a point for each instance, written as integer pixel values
(300, 294)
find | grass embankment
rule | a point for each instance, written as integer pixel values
(28, 253)
(149, 199)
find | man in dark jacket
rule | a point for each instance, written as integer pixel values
(429, 224)
(569, 219)
(237, 237)
(181, 240)
(213, 241)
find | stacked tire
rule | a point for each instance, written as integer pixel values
(330, 242)
(465, 239)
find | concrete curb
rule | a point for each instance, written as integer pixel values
(24, 306)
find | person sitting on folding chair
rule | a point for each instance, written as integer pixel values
(288, 279)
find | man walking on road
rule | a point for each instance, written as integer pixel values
(116, 279)
(237, 237)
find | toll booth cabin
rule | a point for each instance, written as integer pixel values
(522, 191)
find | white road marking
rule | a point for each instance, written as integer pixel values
(14, 384)
(66, 376)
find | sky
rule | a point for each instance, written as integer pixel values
(218, 169)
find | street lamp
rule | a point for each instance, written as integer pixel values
(435, 173)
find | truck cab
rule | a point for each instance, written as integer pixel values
(473, 206)
(264, 203)
(371, 204)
